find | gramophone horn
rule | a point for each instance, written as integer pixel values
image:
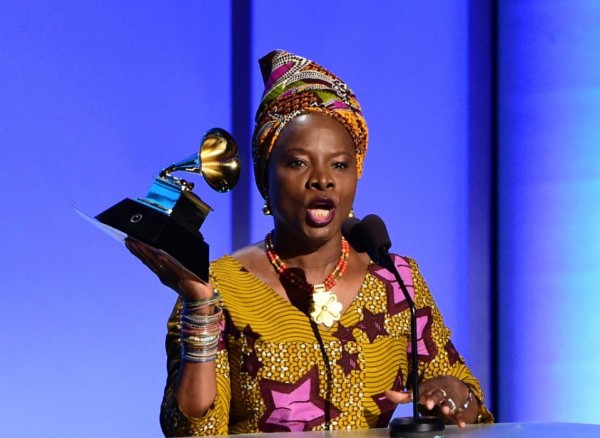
(218, 161)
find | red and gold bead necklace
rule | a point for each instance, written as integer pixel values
(326, 309)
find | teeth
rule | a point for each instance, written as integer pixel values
(319, 213)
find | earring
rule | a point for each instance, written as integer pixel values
(351, 214)
(267, 208)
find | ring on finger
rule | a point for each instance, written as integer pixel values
(441, 391)
(452, 407)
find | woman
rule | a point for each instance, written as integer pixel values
(302, 332)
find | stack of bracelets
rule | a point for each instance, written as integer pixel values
(200, 333)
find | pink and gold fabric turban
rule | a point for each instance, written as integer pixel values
(296, 86)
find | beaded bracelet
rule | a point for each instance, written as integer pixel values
(205, 339)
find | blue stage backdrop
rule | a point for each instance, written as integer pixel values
(98, 96)
(549, 149)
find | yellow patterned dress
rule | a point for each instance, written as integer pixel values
(278, 372)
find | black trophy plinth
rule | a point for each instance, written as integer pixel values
(176, 233)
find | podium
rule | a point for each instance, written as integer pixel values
(499, 430)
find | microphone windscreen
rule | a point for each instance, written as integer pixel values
(352, 231)
(376, 233)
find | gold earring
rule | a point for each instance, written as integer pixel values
(267, 208)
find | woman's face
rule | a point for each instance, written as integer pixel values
(312, 177)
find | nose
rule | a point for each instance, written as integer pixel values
(320, 178)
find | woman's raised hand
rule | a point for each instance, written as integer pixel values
(170, 273)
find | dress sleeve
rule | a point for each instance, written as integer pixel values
(173, 420)
(437, 354)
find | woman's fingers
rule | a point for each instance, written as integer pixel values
(434, 397)
(170, 273)
(440, 396)
(398, 397)
(446, 395)
(148, 255)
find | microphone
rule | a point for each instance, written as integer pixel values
(371, 235)
(352, 231)
(377, 241)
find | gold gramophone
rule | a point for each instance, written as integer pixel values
(170, 216)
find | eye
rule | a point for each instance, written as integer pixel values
(296, 163)
(340, 165)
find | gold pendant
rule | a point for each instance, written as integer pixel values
(326, 309)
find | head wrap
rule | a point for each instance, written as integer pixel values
(296, 86)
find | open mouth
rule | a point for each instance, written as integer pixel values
(321, 212)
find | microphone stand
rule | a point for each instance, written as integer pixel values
(408, 426)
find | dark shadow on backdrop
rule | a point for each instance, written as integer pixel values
(483, 130)
(241, 117)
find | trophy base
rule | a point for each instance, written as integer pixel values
(162, 231)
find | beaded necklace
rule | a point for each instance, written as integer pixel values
(325, 308)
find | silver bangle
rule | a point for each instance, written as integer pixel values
(202, 302)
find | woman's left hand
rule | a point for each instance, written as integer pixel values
(443, 396)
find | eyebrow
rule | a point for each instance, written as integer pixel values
(301, 149)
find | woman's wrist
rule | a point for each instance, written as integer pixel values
(469, 410)
(202, 306)
(200, 329)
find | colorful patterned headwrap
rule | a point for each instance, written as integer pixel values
(296, 86)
